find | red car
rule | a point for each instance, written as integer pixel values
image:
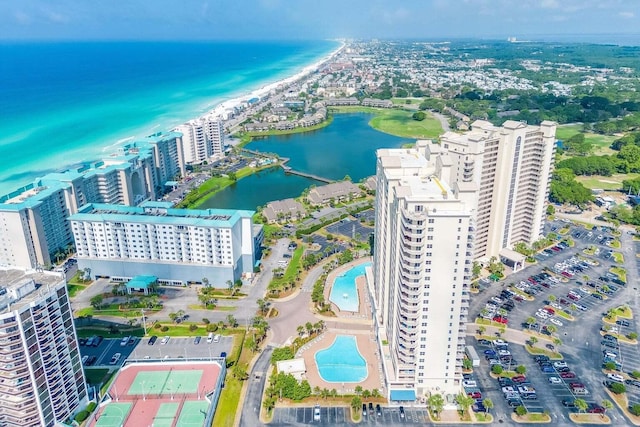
(500, 319)
(564, 301)
(519, 379)
(475, 394)
(550, 310)
(596, 409)
(518, 298)
(567, 375)
(573, 297)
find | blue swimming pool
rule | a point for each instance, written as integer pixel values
(342, 362)
(344, 292)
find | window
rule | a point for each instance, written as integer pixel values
(431, 220)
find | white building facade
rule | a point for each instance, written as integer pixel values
(172, 244)
(41, 380)
(202, 139)
(421, 270)
(512, 166)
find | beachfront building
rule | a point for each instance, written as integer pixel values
(202, 139)
(335, 192)
(41, 380)
(512, 166)
(421, 271)
(172, 244)
(34, 230)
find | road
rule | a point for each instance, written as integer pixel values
(443, 121)
(250, 415)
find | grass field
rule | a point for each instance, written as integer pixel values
(74, 289)
(291, 270)
(613, 182)
(601, 142)
(95, 376)
(230, 397)
(398, 122)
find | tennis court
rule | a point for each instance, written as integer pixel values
(165, 382)
(166, 414)
(162, 395)
(114, 415)
(193, 413)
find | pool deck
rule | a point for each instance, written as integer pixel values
(364, 306)
(367, 348)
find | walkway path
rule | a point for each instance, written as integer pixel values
(443, 121)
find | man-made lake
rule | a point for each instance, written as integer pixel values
(346, 147)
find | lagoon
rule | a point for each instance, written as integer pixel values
(346, 147)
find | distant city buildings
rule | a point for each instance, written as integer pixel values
(33, 219)
(421, 270)
(175, 245)
(511, 165)
(41, 380)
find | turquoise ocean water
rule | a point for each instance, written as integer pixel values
(65, 103)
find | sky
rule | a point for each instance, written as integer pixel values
(311, 19)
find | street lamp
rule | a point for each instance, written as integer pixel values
(144, 321)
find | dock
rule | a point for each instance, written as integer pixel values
(289, 169)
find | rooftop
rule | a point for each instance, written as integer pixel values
(15, 286)
(161, 212)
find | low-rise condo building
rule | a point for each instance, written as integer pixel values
(183, 245)
(421, 271)
(41, 380)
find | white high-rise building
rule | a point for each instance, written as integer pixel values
(41, 379)
(512, 167)
(421, 270)
(171, 244)
(202, 138)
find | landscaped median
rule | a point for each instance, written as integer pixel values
(531, 418)
(590, 418)
(623, 404)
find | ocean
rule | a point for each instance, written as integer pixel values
(66, 103)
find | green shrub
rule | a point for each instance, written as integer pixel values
(81, 416)
(157, 326)
(211, 327)
(497, 369)
(193, 327)
(164, 328)
(91, 406)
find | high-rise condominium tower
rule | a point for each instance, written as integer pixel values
(512, 167)
(421, 268)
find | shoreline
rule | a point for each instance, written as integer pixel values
(266, 89)
(107, 147)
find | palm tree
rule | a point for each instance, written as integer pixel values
(581, 404)
(309, 327)
(488, 404)
(533, 341)
(300, 330)
(552, 329)
(552, 298)
(531, 320)
(436, 404)
(606, 404)
(464, 401)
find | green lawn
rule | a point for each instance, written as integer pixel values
(96, 376)
(613, 182)
(601, 142)
(291, 271)
(74, 289)
(230, 397)
(398, 122)
(123, 331)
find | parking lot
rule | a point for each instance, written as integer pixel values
(565, 283)
(351, 229)
(341, 417)
(175, 348)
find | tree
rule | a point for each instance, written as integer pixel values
(551, 328)
(309, 327)
(476, 269)
(173, 317)
(552, 298)
(231, 321)
(358, 390)
(240, 373)
(300, 330)
(530, 320)
(521, 411)
(635, 409)
(496, 369)
(97, 301)
(521, 369)
(436, 404)
(366, 394)
(581, 405)
(419, 116)
(464, 401)
(232, 176)
(356, 403)
(551, 210)
(488, 404)
(606, 404)
(533, 341)
(467, 364)
(617, 388)
(610, 366)
(262, 305)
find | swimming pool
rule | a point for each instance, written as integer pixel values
(344, 292)
(342, 362)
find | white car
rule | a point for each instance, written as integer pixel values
(560, 364)
(164, 340)
(542, 314)
(555, 380)
(556, 321)
(616, 377)
(470, 384)
(556, 305)
(316, 413)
